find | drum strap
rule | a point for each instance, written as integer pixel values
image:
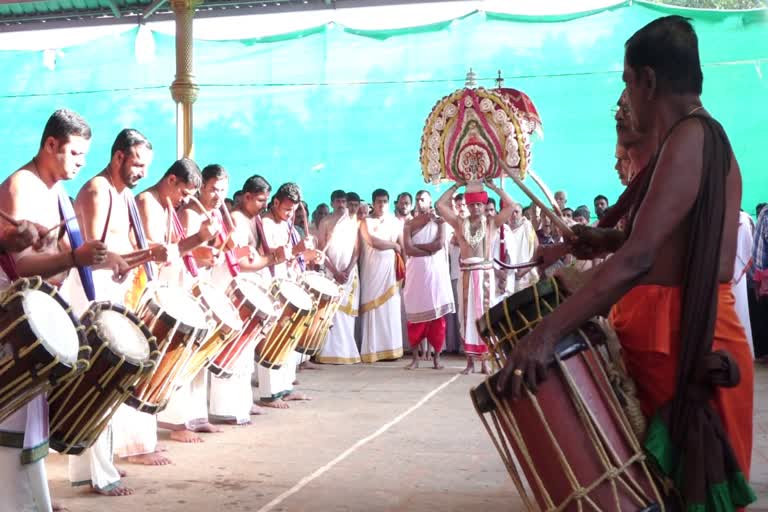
(263, 241)
(8, 265)
(232, 264)
(138, 231)
(181, 233)
(295, 239)
(67, 212)
(28, 455)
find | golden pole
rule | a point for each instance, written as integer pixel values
(184, 89)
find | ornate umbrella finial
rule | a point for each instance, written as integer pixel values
(499, 80)
(471, 82)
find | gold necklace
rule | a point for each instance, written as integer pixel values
(476, 238)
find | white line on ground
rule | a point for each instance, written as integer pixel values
(349, 451)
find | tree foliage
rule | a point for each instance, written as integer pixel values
(715, 4)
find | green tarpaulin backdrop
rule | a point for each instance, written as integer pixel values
(334, 107)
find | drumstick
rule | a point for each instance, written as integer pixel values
(56, 227)
(550, 197)
(227, 217)
(195, 200)
(561, 225)
(9, 219)
(170, 219)
(517, 266)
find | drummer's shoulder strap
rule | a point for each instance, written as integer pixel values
(138, 230)
(67, 213)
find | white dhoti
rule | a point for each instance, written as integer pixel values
(95, 466)
(232, 398)
(275, 384)
(23, 487)
(476, 291)
(340, 346)
(23, 446)
(134, 432)
(380, 307)
(187, 408)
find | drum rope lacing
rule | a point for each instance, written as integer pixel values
(599, 439)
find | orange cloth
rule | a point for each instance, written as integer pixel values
(647, 320)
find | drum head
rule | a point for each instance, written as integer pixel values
(256, 296)
(220, 305)
(122, 336)
(296, 295)
(181, 306)
(51, 323)
(322, 284)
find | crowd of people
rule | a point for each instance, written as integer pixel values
(422, 273)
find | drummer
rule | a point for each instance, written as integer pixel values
(231, 399)
(35, 192)
(187, 409)
(102, 207)
(276, 386)
(475, 240)
(136, 437)
(673, 305)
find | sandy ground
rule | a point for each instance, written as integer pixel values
(375, 438)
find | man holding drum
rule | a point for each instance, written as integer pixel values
(104, 205)
(136, 432)
(232, 398)
(276, 386)
(476, 284)
(668, 281)
(35, 193)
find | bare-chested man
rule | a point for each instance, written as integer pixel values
(231, 399)
(35, 194)
(427, 296)
(475, 235)
(187, 411)
(102, 207)
(668, 283)
(338, 238)
(136, 432)
(276, 386)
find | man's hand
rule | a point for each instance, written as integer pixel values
(208, 229)
(120, 269)
(527, 364)
(160, 253)
(206, 255)
(313, 255)
(92, 252)
(18, 238)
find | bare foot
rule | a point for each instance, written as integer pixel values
(149, 459)
(256, 410)
(117, 491)
(436, 363)
(295, 395)
(414, 364)
(275, 404)
(484, 368)
(185, 436)
(470, 367)
(208, 428)
(309, 365)
(58, 507)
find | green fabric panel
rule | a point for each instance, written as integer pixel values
(284, 37)
(331, 108)
(705, 14)
(422, 29)
(550, 18)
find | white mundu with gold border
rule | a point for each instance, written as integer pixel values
(340, 346)
(379, 295)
